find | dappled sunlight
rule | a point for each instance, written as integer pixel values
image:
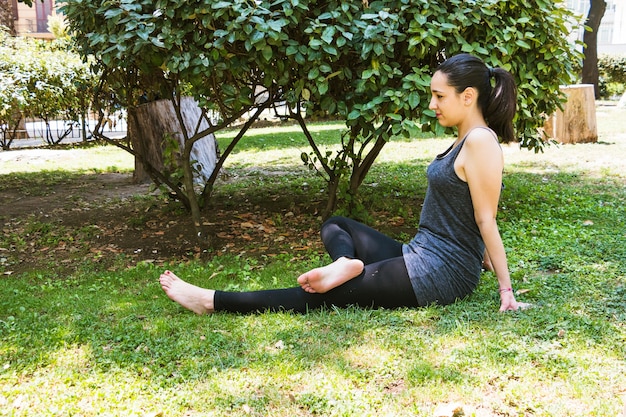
(286, 128)
(369, 355)
(592, 159)
(104, 339)
(91, 159)
(601, 159)
(74, 383)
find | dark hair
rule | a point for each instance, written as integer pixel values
(498, 103)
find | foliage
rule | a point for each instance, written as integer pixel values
(368, 62)
(57, 26)
(613, 68)
(41, 80)
(373, 66)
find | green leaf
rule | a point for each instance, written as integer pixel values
(157, 42)
(367, 74)
(354, 114)
(315, 43)
(331, 50)
(328, 34)
(322, 86)
(414, 99)
(113, 13)
(257, 37)
(221, 5)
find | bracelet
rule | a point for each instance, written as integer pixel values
(501, 290)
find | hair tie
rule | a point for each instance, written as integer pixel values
(492, 72)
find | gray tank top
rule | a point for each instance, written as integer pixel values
(448, 240)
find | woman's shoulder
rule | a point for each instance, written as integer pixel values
(481, 146)
(482, 137)
(482, 132)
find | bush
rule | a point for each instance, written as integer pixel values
(612, 75)
(369, 63)
(39, 80)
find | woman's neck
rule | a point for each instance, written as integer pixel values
(468, 124)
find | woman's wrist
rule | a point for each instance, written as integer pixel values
(503, 290)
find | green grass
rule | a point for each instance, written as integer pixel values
(99, 342)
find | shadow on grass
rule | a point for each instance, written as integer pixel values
(566, 255)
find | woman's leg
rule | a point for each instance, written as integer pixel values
(344, 237)
(383, 284)
(367, 270)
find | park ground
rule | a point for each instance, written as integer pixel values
(86, 330)
(117, 218)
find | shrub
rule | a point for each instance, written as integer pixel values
(612, 70)
(368, 62)
(37, 79)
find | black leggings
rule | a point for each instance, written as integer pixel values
(384, 281)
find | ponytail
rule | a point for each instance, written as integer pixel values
(502, 104)
(498, 103)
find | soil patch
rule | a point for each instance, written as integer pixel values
(108, 219)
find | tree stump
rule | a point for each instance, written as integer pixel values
(151, 123)
(576, 123)
(622, 105)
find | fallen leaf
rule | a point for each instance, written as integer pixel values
(449, 410)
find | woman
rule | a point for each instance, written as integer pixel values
(457, 228)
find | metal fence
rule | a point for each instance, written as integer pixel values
(38, 132)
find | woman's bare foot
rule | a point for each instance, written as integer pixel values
(199, 300)
(326, 278)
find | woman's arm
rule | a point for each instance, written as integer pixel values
(481, 164)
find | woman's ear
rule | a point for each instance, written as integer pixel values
(469, 95)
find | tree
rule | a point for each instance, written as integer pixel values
(369, 63)
(6, 16)
(590, 73)
(373, 66)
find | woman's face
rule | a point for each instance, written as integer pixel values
(445, 101)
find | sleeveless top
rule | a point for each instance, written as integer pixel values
(444, 259)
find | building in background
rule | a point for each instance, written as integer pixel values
(612, 32)
(33, 21)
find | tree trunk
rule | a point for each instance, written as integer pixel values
(622, 104)
(182, 163)
(576, 123)
(590, 73)
(7, 16)
(150, 124)
(20, 130)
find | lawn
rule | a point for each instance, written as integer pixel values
(87, 332)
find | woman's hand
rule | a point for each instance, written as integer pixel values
(508, 302)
